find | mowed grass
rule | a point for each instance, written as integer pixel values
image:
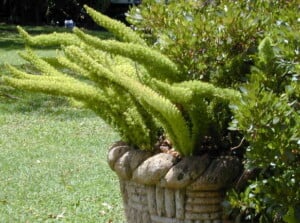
(52, 156)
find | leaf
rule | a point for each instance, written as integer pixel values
(243, 90)
(290, 217)
(276, 120)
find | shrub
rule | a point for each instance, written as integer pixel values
(269, 117)
(212, 42)
(223, 42)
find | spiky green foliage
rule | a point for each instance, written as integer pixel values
(134, 88)
(122, 32)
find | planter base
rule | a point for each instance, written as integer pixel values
(159, 188)
(155, 204)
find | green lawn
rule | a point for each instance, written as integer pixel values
(52, 155)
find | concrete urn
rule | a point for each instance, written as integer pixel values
(160, 188)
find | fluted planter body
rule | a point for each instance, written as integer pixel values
(160, 188)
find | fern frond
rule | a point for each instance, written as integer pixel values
(190, 103)
(198, 115)
(159, 66)
(55, 86)
(120, 30)
(193, 98)
(209, 91)
(133, 87)
(168, 115)
(172, 119)
(46, 40)
(107, 105)
(140, 127)
(72, 66)
(16, 72)
(186, 92)
(40, 64)
(112, 62)
(177, 94)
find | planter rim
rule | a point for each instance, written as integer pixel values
(165, 170)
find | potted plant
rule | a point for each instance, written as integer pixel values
(143, 94)
(172, 161)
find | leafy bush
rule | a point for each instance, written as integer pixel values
(223, 42)
(209, 41)
(269, 116)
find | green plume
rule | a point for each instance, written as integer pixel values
(45, 40)
(120, 30)
(131, 86)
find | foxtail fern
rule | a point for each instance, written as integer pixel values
(133, 87)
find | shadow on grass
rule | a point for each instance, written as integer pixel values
(10, 40)
(41, 104)
(18, 101)
(13, 100)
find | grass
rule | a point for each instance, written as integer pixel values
(52, 156)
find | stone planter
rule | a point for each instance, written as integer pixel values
(159, 188)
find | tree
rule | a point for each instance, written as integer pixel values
(23, 12)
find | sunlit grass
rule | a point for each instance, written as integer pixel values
(52, 157)
(55, 164)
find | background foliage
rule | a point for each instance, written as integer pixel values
(37, 12)
(269, 116)
(223, 42)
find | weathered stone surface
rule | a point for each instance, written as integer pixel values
(151, 190)
(203, 216)
(203, 194)
(124, 192)
(160, 201)
(180, 196)
(200, 208)
(151, 183)
(115, 152)
(220, 174)
(185, 172)
(137, 157)
(122, 167)
(170, 204)
(129, 161)
(205, 200)
(153, 169)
